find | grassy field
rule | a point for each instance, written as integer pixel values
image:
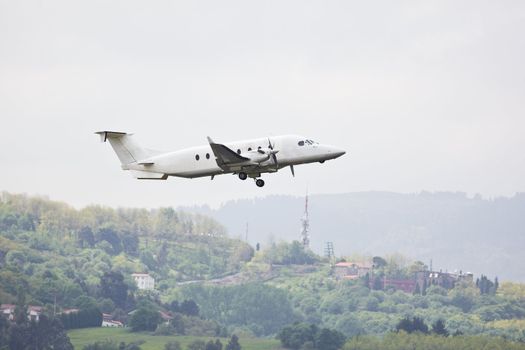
(81, 337)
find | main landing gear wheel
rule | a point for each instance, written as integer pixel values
(243, 176)
(259, 182)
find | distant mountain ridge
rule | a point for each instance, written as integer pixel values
(455, 231)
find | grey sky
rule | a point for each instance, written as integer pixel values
(422, 95)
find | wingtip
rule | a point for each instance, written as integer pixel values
(209, 139)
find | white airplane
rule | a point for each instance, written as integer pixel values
(249, 158)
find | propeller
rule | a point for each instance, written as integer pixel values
(272, 153)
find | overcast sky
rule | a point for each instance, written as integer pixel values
(423, 95)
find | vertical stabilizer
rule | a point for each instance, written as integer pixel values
(127, 150)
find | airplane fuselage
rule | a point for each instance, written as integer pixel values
(248, 158)
(200, 161)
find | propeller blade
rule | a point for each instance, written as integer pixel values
(293, 172)
(270, 146)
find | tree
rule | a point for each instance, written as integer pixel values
(417, 290)
(112, 286)
(86, 237)
(189, 308)
(42, 335)
(213, 345)
(329, 339)
(233, 344)
(130, 243)
(172, 345)
(439, 328)
(379, 262)
(178, 324)
(91, 317)
(144, 319)
(294, 336)
(111, 236)
(378, 283)
(415, 324)
(197, 345)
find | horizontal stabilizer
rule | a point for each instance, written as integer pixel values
(105, 134)
(146, 175)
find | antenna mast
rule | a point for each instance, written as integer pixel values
(305, 225)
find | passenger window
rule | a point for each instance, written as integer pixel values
(301, 143)
(207, 156)
(197, 157)
(249, 149)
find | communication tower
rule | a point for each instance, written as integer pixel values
(305, 226)
(329, 252)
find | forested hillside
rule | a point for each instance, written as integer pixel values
(59, 257)
(53, 252)
(454, 230)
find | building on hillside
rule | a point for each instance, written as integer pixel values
(351, 270)
(8, 311)
(33, 312)
(144, 281)
(166, 316)
(447, 280)
(69, 311)
(108, 321)
(407, 286)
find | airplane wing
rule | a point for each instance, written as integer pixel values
(224, 155)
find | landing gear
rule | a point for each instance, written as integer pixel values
(243, 175)
(259, 182)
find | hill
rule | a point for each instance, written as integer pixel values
(59, 257)
(56, 253)
(455, 231)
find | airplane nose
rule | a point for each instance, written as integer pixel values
(337, 152)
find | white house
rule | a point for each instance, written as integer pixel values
(33, 312)
(144, 281)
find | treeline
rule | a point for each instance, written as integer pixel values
(47, 333)
(20, 213)
(255, 308)
(419, 341)
(354, 308)
(91, 317)
(84, 258)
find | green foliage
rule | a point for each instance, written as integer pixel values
(113, 287)
(213, 345)
(172, 345)
(46, 334)
(410, 325)
(419, 341)
(144, 319)
(285, 253)
(91, 317)
(233, 344)
(197, 345)
(102, 345)
(112, 345)
(261, 308)
(439, 328)
(299, 334)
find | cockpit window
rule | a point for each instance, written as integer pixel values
(301, 143)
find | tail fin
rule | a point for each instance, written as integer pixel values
(127, 150)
